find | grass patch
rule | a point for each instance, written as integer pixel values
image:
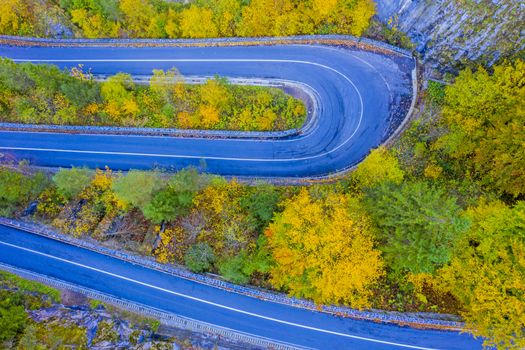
(12, 281)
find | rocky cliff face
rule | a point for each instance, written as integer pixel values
(448, 33)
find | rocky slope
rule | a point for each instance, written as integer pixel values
(448, 33)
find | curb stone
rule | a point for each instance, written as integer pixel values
(17, 40)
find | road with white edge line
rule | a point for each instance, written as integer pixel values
(359, 95)
(266, 319)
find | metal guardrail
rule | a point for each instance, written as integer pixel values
(166, 318)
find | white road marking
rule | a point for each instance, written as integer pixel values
(203, 60)
(213, 303)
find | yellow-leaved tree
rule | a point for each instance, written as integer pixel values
(485, 117)
(118, 94)
(324, 250)
(15, 17)
(226, 14)
(94, 25)
(380, 166)
(487, 274)
(197, 22)
(258, 18)
(144, 19)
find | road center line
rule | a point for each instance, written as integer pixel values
(213, 303)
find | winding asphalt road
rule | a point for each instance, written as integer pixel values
(190, 299)
(358, 92)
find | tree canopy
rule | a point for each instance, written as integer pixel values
(485, 116)
(16, 189)
(379, 166)
(418, 225)
(328, 254)
(196, 19)
(137, 188)
(70, 182)
(487, 274)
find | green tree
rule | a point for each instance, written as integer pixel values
(248, 263)
(13, 317)
(199, 257)
(232, 269)
(261, 203)
(70, 182)
(167, 205)
(487, 274)
(137, 188)
(436, 93)
(485, 116)
(80, 92)
(17, 189)
(176, 199)
(260, 261)
(418, 225)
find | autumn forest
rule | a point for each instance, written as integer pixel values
(434, 222)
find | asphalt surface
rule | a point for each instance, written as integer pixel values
(204, 303)
(358, 93)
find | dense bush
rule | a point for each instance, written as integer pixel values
(199, 19)
(485, 118)
(17, 189)
(19, 331)
(13, 317)
(70, 182)
(176, 199)
(137, 188)
(42, 94)
(199, 257)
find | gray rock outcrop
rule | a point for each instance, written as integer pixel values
(449, 33)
